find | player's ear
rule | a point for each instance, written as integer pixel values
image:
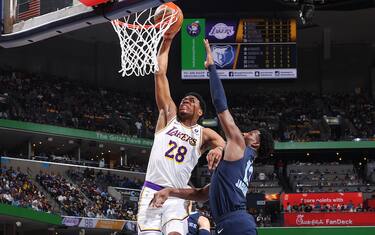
(200, 112)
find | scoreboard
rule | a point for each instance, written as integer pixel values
(242, 49)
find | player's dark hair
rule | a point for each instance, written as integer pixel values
(267, 144)
(201, 102)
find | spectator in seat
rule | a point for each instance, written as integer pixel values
(295, 207)
(302, 206)
(308, 208)
(138, 125)
(262, 176)
(288, 207)
(317, 206)
(350, 206)
(359, 208)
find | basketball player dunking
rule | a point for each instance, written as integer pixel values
(178, 144)
(230, 181)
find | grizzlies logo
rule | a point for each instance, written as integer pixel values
(223, 55)
(193, 29)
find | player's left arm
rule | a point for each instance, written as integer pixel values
(193, 194)
(213, 141)
(235, 140)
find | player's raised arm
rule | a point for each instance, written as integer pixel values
(166, 106)
(193, 194)
(219, 100)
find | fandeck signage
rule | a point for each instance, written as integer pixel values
(323, 198)
(330, 219)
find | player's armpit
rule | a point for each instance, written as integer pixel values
(235, 141)
(233, 151)
(231, 130)
(163, 120)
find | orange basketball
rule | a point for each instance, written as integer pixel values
(166, 10)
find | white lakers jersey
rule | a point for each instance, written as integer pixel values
(174, 154)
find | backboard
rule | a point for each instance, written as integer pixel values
(28, 21)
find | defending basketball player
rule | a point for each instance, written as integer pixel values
(178, 144)
(198, 224)
(230, 181)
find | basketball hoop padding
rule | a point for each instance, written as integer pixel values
(91, 3)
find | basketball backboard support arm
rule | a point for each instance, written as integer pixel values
(7, 14)
(76, 18)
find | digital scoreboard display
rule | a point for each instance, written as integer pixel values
(242, 49)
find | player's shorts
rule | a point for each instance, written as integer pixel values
(236, 223)
(172, 217)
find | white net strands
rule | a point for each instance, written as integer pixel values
(139, 38)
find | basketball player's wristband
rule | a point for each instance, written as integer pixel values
(221, 148)
(218, 97)
(204, 232)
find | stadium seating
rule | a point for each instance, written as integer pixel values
(326, 177)
(17, 189)
(292, 116)
(370, 171)
(265, 180)
(95, 186)
(68, 195)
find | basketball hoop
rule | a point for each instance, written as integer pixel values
(139, 37)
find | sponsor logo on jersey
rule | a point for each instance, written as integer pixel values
(185, 137)
(221, 31)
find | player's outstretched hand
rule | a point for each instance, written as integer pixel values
(209, 59)
(159, 198)
(214, 157)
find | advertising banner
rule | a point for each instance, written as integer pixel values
(330, 219)
(323, 198)
(241, 48)
(129, 194)
(84, 222)
(193, 51)
(71, 221)
(88, 223)
(371, 202)
(110, 224)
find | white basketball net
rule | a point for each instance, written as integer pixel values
(139, 39)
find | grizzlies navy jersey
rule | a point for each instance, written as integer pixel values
(193, 223)
(229, 184)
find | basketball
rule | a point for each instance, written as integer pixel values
(166, 10)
